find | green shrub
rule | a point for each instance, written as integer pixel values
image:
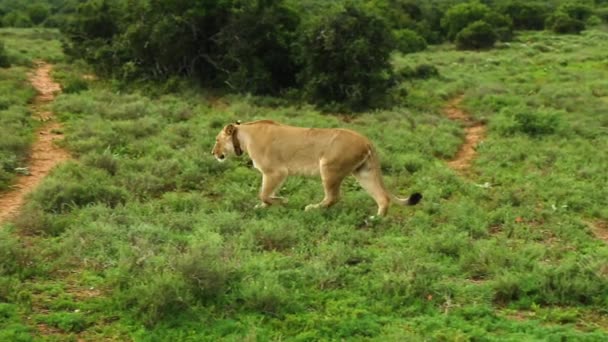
(409, 41)
(561, 22)
(256, 46)
(346, 58)
(422, 71)
(4, 59)
(478, 35)
(602, 13)
(462, 15)
(85, 186)
(534, 124)
(74, 84)
(525, 15)
(576, 10)
(16, 19)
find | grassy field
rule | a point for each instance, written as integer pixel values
(144, 236)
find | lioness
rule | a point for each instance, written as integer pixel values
(280, 150)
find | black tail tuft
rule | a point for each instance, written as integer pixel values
(414, 198)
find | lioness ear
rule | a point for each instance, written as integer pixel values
(230, 129)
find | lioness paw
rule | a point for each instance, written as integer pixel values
(260, 205)
(311, 207)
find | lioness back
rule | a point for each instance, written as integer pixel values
(302, 150)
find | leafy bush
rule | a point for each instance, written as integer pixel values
(576, 10)
(534, 124)
(4, 59)
(16, 19)
(256, 46)
(561, 22)
(87, 186)
(466, 16)
(462, 15)
(478, 35)
(409, 41)
(525, 15)
(422, 71)
(346, 60)
(602, 13)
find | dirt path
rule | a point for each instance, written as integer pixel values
(44, 154)
(474, 133)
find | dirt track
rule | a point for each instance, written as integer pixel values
(474, 133)
(45, 154)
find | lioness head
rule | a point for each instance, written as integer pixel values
(226, 142)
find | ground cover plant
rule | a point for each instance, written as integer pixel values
(144, 236)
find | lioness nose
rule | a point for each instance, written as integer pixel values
(221, 156)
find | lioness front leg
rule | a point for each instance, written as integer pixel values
(271, 181)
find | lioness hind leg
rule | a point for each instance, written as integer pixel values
(271, 181)
(370, 181)
(331, 184)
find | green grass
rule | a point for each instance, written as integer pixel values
(170, 235)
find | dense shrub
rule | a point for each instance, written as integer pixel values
(256, 46)
(461, 16)
(478, 35)
(345, 57)
(602, 13)
(409, 41)
(464, 15)
(560, 22)
(16, 19)
(422, 71)
(525, 15)
(576, 10)
(4, 59)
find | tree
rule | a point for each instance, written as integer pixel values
(345, 57)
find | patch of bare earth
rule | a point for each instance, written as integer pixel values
(45, 154)
(600, 229)
(475, 132)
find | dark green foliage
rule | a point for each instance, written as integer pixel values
(256, 45)
(464, 15)
(478, 35)
(576, 10)
(422, 71)
(38, 12)
(4, 59)
(345, 56)
(409, 41)
(602, 13)
(526, 15)
(561, 22)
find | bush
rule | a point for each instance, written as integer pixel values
(576, 10)
(525, 15)
(346, 58)
(4, 59)
(478, 35)
(561, 22)
(463, 16)
(602, 13)
(256, 46)
(16, 19)
(409, 41)
(422, 71)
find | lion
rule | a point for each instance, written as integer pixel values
(279, 150)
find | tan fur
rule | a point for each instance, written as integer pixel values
(278, 151)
